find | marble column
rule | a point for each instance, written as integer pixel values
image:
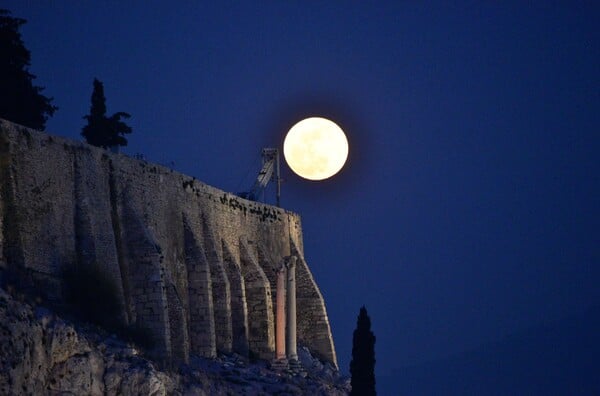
(290, 346)
(280, 315)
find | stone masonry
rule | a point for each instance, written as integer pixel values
(195, 265)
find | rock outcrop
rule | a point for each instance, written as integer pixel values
(194, 265)
(42, 354)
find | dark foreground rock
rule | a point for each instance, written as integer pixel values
(40, 353)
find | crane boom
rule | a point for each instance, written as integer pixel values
(269, 172)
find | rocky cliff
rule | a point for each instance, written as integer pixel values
(43, 354)
(194, 265)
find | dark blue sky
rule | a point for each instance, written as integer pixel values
(468, 208)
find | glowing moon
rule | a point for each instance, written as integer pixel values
(315, 148)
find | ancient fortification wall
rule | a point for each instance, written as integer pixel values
(194, 264)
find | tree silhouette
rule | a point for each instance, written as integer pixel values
(362, 366)
(20, 101)
(103, 131)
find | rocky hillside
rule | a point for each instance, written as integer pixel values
(40, 353)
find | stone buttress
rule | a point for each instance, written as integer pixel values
(193, 265)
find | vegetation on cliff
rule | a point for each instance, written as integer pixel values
(20, 100)
(103, 131)
(93, 297)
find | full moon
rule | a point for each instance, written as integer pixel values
(315, 148)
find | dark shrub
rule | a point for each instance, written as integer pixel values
(138, 335)
(92, 295)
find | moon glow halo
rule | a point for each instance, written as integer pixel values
(315, 148)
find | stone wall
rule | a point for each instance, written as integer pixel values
(194, 265)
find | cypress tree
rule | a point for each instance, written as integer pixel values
(20, 100)
(103, 131)
(362, 366)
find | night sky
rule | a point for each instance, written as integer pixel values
(468, 209)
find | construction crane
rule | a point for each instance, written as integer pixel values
(268, 173)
